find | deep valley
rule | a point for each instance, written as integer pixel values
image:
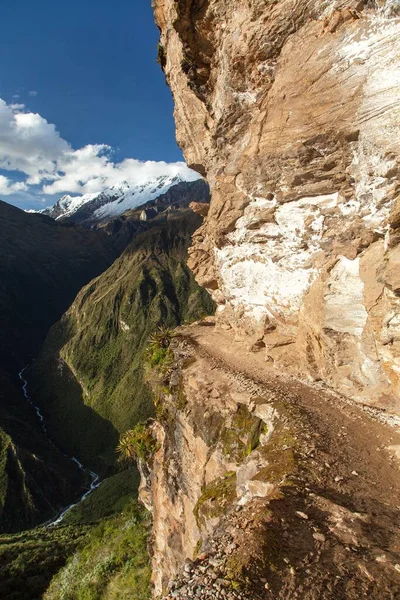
(200, 362)
(84, 385)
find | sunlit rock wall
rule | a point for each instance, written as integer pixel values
(291, 109)
(215, 439)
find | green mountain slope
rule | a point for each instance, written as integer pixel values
(112, 563)
(42, 266)
(29, 560)
(36, 480)
(88, 378)
(88, 381)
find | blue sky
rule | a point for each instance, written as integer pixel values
(88, 67)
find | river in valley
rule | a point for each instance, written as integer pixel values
(94, 477)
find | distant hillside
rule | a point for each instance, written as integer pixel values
(36, 480)
(89, 374)
(124, 227)
(43, 264)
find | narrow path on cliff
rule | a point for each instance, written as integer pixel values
(347, 483)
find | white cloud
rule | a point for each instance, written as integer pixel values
(91, 170)
(7, 187)
(28, 143)
(33, 93)
(33, 146)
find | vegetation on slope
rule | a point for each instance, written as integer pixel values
(89, 376)
(137, 443)
(89, 379)
(90, 371)
(29, 560)
(4, 446)
(140, 443)
(109, 499)
(113, 563)
(36, 480)
(42, 266)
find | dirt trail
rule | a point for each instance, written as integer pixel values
(335, 533)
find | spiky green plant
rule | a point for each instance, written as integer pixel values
(161, 338)
(159, 356)
(137, 443)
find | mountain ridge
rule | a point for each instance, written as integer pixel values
(95, 208)
(42, 265)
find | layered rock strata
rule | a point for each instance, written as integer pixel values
(291, 109)
(212, 435)
(262, 488)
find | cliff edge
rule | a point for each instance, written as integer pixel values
(262, 487)
(291, 111)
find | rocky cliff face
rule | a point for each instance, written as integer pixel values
(261, 488)
(291, 110)
(211, 436)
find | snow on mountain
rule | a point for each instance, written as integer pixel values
(132, 196)
(68, 205)
(115, 200)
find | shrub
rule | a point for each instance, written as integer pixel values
(159, 360)
(158, 353)
(137, 443)
(215, 499)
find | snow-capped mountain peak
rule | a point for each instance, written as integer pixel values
(115, 200)
(68, 205)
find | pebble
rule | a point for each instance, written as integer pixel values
(202, 579)
(203, 556)
(301, 515)
(214, 562)
(381, 559)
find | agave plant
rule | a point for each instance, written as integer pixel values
(161, 338)
(126, 448)
(159, 354)
(137, 443)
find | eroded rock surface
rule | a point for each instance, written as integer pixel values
(212, 433)
(263, 488)
(291, 109)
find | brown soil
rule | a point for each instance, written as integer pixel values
(334, 532)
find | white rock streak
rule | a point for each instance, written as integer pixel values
(344, 303)
(268, 270)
